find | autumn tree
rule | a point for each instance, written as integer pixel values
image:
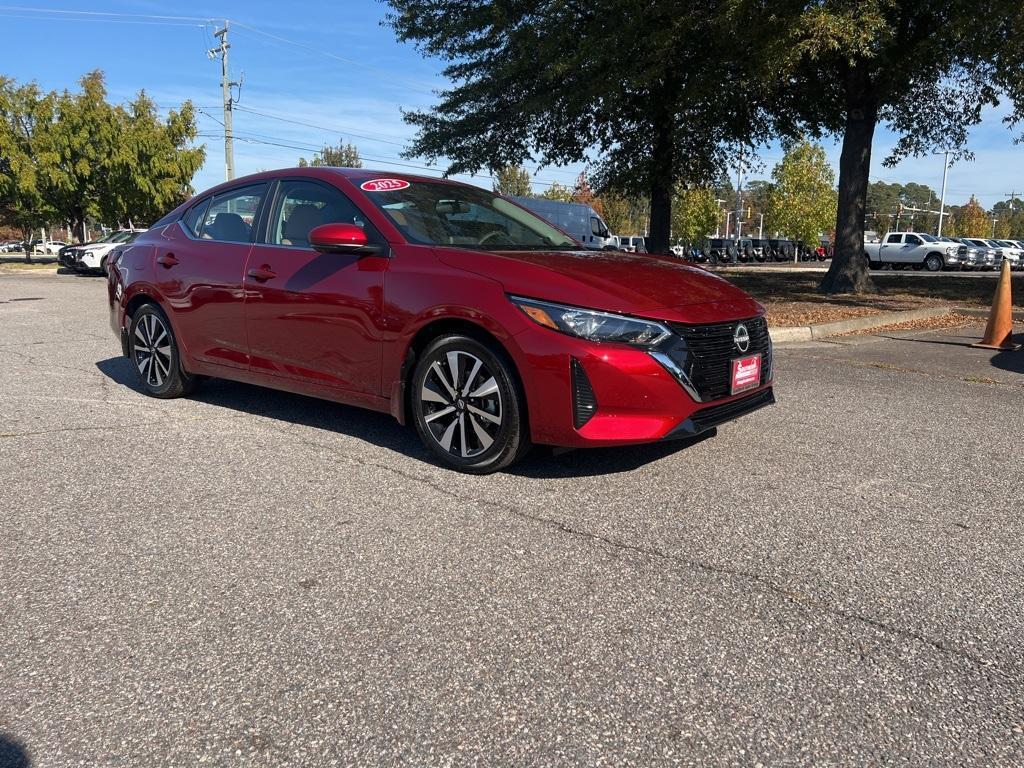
(512, 181)
(802, 201)
(972, 221)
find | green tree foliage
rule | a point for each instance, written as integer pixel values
(557, 192)
(625, 215)
(74, 157)
(802, 202)
(151, 170)
(339, 156)
(1012, 213)
(694, 214)
(547, 80)
(26, 117)
(925, 68)
(512, 180)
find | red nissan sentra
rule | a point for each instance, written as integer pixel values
(438, 302)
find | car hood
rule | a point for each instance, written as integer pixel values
(658, 287)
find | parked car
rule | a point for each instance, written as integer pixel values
(632, 244)
(1012, 252)
(984, 255)
(577, 220)
(93, 257)
(762, 249)
(441, 303)
(12, 246)
(721, 250)
(781, 249)
(903, 249)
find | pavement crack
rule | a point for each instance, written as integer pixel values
(798, 599)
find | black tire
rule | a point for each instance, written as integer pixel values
(713, 259)
(485, 432)
(157, 365)
(933, 263)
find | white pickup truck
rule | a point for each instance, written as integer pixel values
(917, 249)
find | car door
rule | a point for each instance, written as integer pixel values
(890, 250)
(315, 316)
(199, 267)
(911, 252)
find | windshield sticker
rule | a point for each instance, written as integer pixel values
(383, 185)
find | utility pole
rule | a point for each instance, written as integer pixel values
(225, 86)
(942, 195)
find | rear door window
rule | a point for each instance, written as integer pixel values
(232, 215)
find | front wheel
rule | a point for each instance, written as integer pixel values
(153, 351)
(467, 406)
(933, 263)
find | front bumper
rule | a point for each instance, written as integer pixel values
(638, 399)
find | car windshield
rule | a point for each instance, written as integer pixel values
(447, 214)
(929, 238)
(121, 237)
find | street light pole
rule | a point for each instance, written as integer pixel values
(718, 222)
(942, 195)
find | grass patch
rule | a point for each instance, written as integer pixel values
(792, 298)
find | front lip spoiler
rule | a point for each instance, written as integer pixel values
(708, 418)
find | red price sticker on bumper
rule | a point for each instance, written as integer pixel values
(746, 373)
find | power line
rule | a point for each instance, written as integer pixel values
(108, 21)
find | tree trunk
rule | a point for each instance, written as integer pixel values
(849, 270)
(662, 159)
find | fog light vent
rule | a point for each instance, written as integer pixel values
(584, 404)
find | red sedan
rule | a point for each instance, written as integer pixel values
(441, 303)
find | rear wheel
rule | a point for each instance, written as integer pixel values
(153, 351)
(467, 406)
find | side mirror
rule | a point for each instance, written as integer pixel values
(340, 238)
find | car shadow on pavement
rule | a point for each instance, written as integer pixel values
(382, 430)
(12, 754)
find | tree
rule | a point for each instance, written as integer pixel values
(557, 192)
(26, 116)
(73, 157)
(339, 156)
(694, 214)
(583, 193)
(972, 221)
(926, 68)
(802, 202)
(539, 80)
(151, 171)
(512, 180)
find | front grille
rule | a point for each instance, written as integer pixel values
(710, 350)
(706, 418)
(584, 403)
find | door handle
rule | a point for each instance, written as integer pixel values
(262, 274)
(168, 260)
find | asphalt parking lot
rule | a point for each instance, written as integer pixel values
(249, 577)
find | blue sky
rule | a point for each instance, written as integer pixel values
(347, 78)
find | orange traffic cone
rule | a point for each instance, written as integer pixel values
(999, 331)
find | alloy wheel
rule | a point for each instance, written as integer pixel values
(460, 402)
(151, 348)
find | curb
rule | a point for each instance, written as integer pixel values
(799, 333)
(1017, 315)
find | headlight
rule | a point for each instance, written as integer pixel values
(950, 251)
(592, 325)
